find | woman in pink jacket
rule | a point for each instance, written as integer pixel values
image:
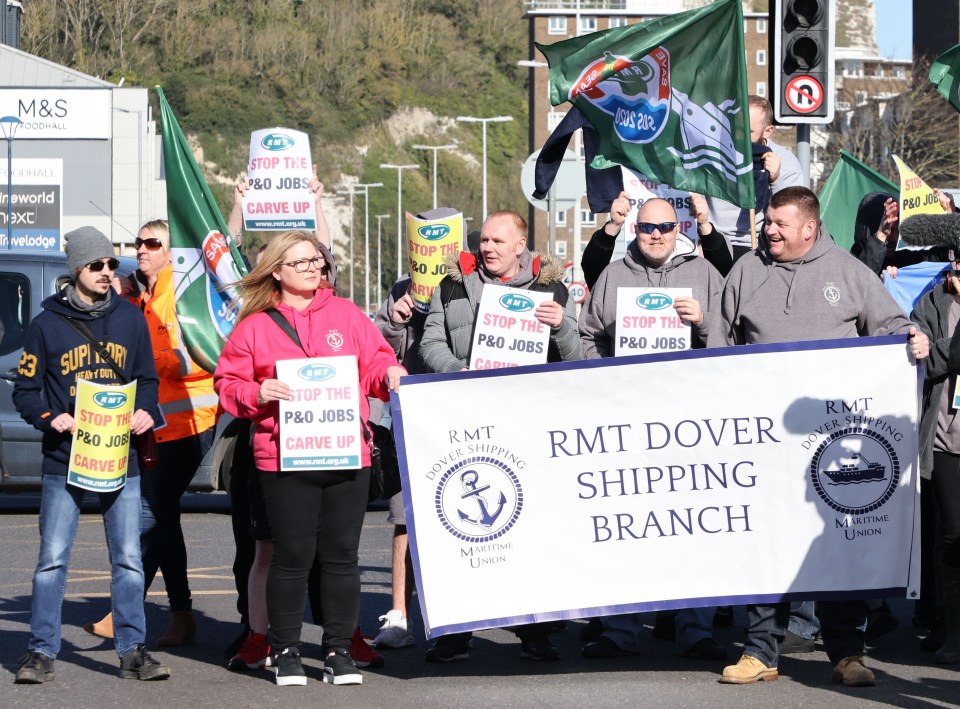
(312, 512)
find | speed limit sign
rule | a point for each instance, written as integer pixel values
(578, 291)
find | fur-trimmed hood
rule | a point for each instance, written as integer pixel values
(546, 269)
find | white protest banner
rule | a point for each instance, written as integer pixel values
(751, 474)
(320, 425)
(279, 197)
(647, 322)
(507, 333)
(100, 450)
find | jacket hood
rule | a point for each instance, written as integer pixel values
(869, 218)
(57, 303)
(683, 251)
(320, 299)
(546, 269)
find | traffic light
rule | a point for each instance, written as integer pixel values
(803, 65)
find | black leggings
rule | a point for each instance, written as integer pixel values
(946, 493)
(315, 514)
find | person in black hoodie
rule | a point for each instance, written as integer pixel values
(55, 356)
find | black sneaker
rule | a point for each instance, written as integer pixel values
(139, 665)
(450, 648)
(793, 644)
(538, 649)
(339, 668)
(288, 668)
(35, 668)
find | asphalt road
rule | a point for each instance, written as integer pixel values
(495, 676)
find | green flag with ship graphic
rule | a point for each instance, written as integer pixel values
(204, 257)
(668, 98)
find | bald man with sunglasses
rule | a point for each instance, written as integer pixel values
(659, 257)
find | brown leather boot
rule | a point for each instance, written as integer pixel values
(102, 628)
(182, 630)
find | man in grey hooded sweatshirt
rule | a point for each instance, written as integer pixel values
(798, 285)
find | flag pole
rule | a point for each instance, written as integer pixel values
(753, 228)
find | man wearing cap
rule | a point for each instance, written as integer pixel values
(799, 286)
(56, 355)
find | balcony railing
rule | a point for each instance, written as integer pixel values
(572, 4)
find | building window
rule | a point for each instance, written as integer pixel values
(553, 119)
(761, 57)
(14, 311)
(557, 25)
(561, 249)
(587, 218)
(761, 26)
(561, 218)
(618, 22)
(588, 24)
(900, 72)
(761, 88)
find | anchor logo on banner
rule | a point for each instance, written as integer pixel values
(479, 499)
(471, 492)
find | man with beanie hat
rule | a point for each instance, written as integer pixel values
(57, 354)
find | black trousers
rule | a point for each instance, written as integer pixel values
(315, 515)
(946, 494)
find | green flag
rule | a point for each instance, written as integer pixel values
(668, 98)
(840, 196)
(945, 75)
(204, 259)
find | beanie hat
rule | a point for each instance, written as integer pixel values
(85, 245)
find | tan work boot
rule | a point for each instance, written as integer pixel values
(853, 673)
(747, 671)
(102, 628)
(181, 631)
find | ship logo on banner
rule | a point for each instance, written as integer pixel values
(479, 499)
(855, 470)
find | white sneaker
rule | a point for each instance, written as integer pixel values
(393, 633)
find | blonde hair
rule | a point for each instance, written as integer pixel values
(158, 229)
(259, 289)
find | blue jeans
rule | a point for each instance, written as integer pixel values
(842, 629)
(692, 625)
(162, 536)
(59, 516)
(803, 620)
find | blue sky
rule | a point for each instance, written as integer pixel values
(895, 28)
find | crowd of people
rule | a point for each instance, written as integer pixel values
(298, 533)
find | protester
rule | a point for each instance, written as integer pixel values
(502, 259)
(313, 513)
(659, 257)
(44, 394)
(189, 407)
(777, 294)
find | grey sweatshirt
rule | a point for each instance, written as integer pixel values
(825, 294)
(598, 320)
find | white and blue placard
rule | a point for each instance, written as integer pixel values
(752, 474)
(320, 424)
(647, 321)
(507, 332)
(279, 170)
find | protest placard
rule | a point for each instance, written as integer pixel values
(320, 425)
(279, 170)
(431, 241)
(916, 197)
(507, 332)
(647, 322)
(668, 481)
(100, 450)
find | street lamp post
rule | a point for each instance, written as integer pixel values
(350, 247)
(483, 122)
(9, 125)
(380, 218)
(399, 169)
(364, 189)
(435, 149)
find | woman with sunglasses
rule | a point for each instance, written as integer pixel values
(312, 513)
(189, 406)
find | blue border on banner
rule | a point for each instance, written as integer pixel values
(673, 604)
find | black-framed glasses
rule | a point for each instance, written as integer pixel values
(304, 264)
(649, 227)
(97, 266)
(152, 243)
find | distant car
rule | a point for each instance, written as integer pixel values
(26, 278)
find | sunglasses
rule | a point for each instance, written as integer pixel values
(110, 264)
(304, 265)
(152, 244)
(649, 228)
